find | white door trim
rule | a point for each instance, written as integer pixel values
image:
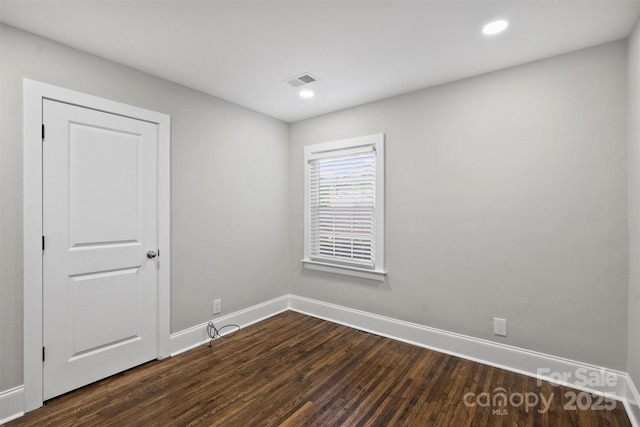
(33, 94)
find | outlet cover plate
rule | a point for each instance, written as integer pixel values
(500, 326)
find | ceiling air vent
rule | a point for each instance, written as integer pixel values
(301, 80)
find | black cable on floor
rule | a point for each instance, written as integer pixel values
(214, 332)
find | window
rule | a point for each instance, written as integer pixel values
(344, 207)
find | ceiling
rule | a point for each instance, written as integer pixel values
(361, 51)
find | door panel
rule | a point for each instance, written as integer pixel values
(100, 219)
(92, 297)
(104, 204)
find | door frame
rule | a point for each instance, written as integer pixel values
(33, 95)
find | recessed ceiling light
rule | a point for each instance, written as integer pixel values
(306, 94)
(495, 27)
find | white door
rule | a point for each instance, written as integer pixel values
(100, 219)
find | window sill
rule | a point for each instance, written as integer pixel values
(378, 275)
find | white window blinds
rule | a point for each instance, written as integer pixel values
(342, 206)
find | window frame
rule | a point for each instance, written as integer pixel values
(376, 141)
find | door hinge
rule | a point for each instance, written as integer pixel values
(43, 132)
(42, 243)
(43, 354)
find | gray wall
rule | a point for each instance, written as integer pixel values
(227, 163)
(634, 205)
(506, 196)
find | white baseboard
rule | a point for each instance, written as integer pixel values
(633, 412)
(538, 365)
(197, 335)
(576, 374)
(632, 403)
(11, 404)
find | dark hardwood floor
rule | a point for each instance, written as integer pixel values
(295, 370)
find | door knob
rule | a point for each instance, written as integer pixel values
(151, 254)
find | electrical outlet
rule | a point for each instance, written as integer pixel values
(217, 306)
(500, 327)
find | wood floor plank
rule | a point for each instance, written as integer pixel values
(296, 370)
